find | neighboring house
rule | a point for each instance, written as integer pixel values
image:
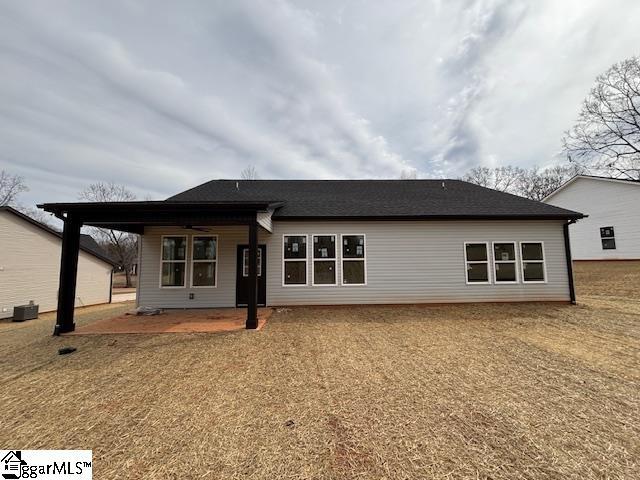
(30, 265)
(612, 229)
(230, 243)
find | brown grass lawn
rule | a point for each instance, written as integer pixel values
(462, 391)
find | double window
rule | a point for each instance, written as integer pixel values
(294, 258)
(504, 256)
(608, 238)
(204, 259)
(354, 270)
(324, 260)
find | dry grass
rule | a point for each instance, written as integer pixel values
(467, 391)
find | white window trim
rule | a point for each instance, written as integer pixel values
(193, 237)
(185, 261)
(244, 262)
(488, 262)
(514, 261)
(363, 259)
(305, 260)
(543, 261)
(334, 259)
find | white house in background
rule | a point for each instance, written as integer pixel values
(612, 229)
(30, 265)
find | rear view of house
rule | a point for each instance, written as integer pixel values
(231, 243)
(612, 229)
(30, 265)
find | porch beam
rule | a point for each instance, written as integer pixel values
(68, 275)
(252, 303)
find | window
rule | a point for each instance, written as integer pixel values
(504, 262)
(477, 262)
(204, 261)
(532, 260)
(245, 262)
(294, 270)
(173, 262)
(608, 238)
(324, 260)
(354, 270)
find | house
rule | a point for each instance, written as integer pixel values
(612, 229)
(231, 243)
(30, 265)
(12, 463)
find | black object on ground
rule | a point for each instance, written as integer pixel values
(66, 350)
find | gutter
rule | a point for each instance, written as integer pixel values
(567, 250)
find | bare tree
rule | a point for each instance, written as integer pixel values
(122, 246)
(249, 173)
(10, 187)
(606, 136)
(503, 179)
(534, 183)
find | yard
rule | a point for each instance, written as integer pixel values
(461, 391)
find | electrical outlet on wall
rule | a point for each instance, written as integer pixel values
(191, 296)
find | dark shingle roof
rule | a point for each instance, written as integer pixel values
(374, 199)
(87, 242)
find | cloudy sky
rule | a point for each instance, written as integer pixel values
(162, 98)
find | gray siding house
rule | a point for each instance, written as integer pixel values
(235, 243)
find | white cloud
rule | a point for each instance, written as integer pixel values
(164, 98)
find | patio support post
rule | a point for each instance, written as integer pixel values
(68, 275)
(252, 304)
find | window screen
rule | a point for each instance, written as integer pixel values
(294, 260)
(532, 256)
(477, 263)
(324, 259)
(353, 260)
(174, 262)
(504, 261)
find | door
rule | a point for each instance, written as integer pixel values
(242, 276)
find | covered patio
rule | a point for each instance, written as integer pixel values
(134, 217)
(209, 320)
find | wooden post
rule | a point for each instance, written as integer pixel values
(252, 304)
(68, 276)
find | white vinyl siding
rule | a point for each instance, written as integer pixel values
(406, 262)
(30, 269)
(608, 203)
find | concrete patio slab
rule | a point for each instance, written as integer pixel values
(212, 320)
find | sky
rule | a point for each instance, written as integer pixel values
(162, 96)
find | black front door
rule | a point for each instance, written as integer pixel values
(242, 276)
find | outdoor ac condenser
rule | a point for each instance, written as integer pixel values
(25, 312)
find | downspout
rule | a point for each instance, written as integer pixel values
(567, 250)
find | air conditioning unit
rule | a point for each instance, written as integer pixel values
(25, 312)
